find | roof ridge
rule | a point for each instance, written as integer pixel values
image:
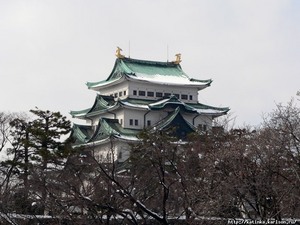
(150, 62)
(165, 122)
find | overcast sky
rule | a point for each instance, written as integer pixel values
(49, 49)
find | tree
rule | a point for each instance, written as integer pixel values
(49, 150)
(38, 152)
(152, 185)
(254, 173)
(284, 121)
(5, 119)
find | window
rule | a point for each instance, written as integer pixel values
(148, 123)
(150, 93)
(116, 95)
(185, 97)
(134, 92)
(142, 93)
(120, 155)
(202, 127)
(177, 95)
(124, 93)
(136, 122)
(159, 94)
(167, 94)
(120, 93)
(191, 97)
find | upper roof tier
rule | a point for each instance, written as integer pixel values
(169, 73)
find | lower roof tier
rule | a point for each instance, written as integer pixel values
(111, 128)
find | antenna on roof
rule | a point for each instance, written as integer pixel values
(167, 53)
(129, 49)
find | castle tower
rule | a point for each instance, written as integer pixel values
(137, 95)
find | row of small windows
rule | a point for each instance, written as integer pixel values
(119, 94)
(152, 94)
(135, 122)
(160, 94)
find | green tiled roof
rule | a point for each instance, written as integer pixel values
(111, 128)
(81, 133)
(147, 70)
(101, 103)
(79, 113)
(132, 66)
(172, 100)
(175, 119)
(103, 82)
(116, 126)
(106, 128)
(208, 107)
(105, 103)
(138, 101)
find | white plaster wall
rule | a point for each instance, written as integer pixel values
(134, 115)
(120, 115)
(164, 89)
(155, 116)
(107, 152)
(142, 116)
(199, 120)
(95, 119)
(111, 90)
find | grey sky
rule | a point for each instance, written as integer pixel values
(49, 49)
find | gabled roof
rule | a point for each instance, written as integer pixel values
(175, 120)
(149, 71)
(173, 101)
(209, 110)
(81, 134)
(101, 104)
(170, 101)
(110, 128)
(106, 129)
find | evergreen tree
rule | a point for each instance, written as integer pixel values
(49, 150)
(38, 152)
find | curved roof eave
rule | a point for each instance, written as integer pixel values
(80, 113)
(78, 132)
(104, 84)
(172, 100)
(98, 112)
(135, 106)
(153, 81)
(169, 119)
(107, 140)
(95, 143)
(94, 113)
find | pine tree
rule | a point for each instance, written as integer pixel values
(38, 153)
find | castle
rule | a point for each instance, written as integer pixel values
(138, 95)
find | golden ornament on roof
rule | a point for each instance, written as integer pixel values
(178, 58)
(118, 53)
